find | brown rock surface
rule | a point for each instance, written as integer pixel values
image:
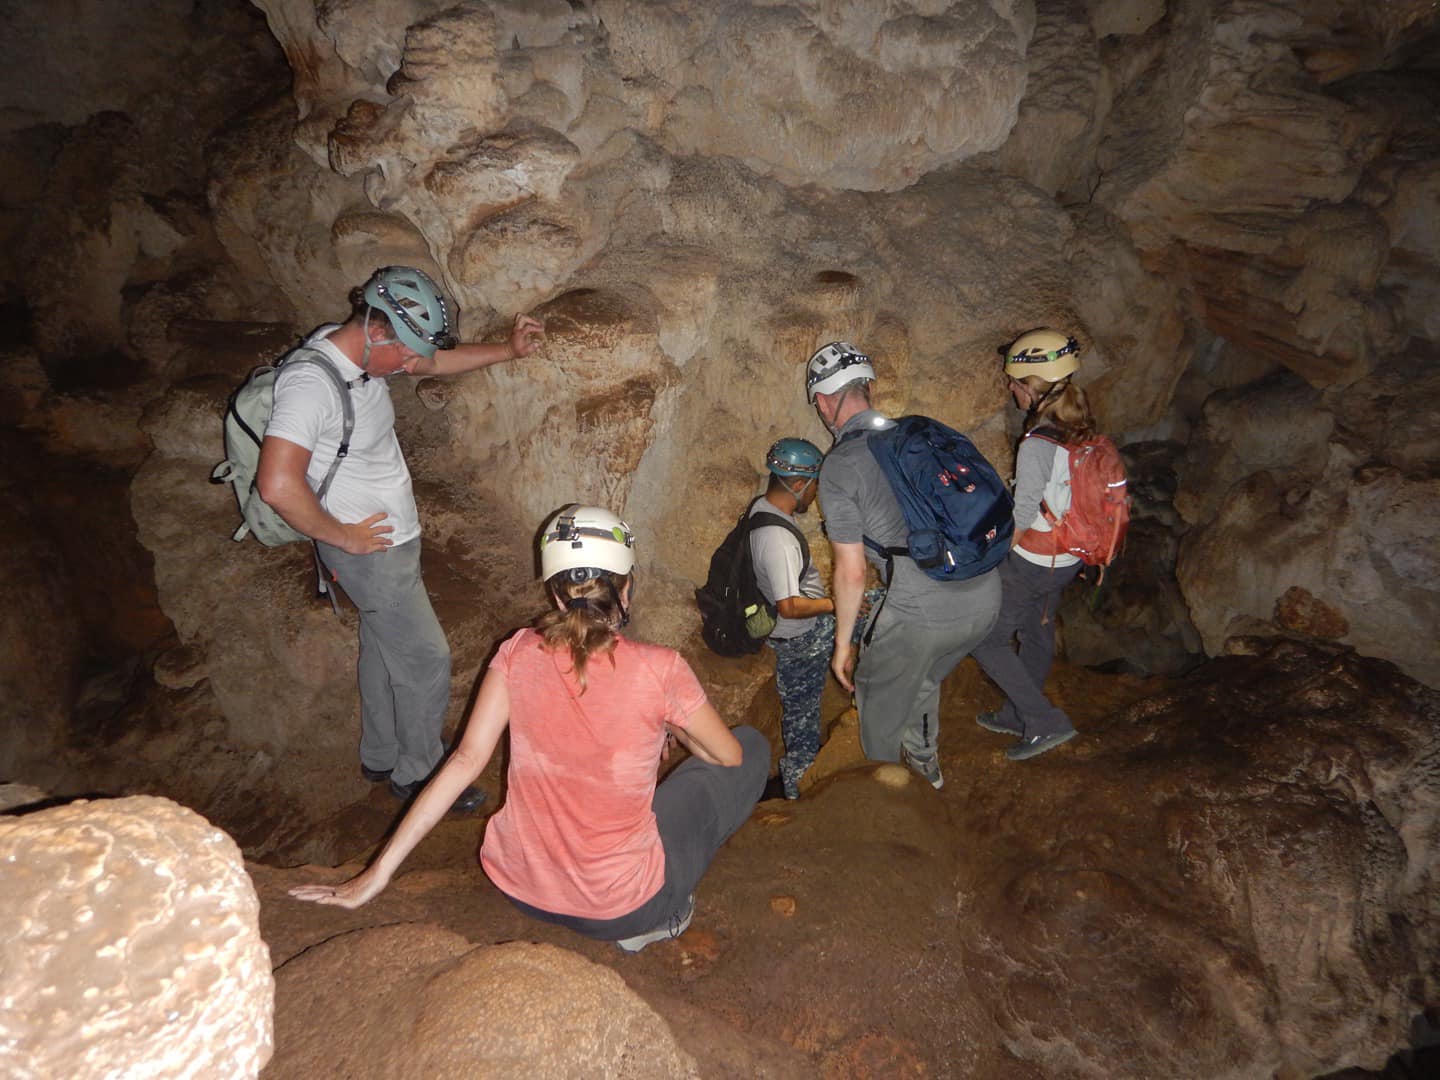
(1233, 876)
(129, 944)
(437, 1007)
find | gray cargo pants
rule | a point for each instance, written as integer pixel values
(404, 668)
(898, 677)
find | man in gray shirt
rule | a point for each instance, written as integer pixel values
(805, 628)
(924, 627)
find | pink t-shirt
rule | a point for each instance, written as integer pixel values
(576, 835)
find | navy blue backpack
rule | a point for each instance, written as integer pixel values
(956, 506)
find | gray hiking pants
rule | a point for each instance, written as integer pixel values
(697, 808)
(913, 648)
(1032, 597)
(404, 668)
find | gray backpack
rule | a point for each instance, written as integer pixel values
(246, 418)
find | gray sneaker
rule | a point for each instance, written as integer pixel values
(1035, 745)
(673, 928)
(928, 767)
(994, 721)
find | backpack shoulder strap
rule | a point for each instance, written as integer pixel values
(776, 521)
(1045, 434)
(313, 357)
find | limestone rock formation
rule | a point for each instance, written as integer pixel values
(130, 946)
(1236, 169)
(1336, 502)
(1293, 794)
(416, 999)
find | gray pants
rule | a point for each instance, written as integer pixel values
(404, 668)
(1032, 597)
(697, 808)
(898, 677)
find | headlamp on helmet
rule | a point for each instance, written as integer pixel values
(1045, 353)
(416, 310)
(588, 539)
(834, 367)
(794, 457)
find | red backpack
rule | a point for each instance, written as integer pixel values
(1094, 527)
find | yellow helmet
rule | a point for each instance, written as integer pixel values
(1044, 352)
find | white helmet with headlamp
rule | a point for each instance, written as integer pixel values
(581, 542)
(834, 367)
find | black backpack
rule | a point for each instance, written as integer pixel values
(735, 617)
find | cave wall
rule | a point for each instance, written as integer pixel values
(1232, 203)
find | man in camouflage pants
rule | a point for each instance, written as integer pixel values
(804, 634)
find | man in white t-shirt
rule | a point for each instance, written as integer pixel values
(804, 634)
(368, 530)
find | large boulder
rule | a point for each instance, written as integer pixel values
(419, 1000)
(130, 944)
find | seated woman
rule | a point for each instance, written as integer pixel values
(586, 839)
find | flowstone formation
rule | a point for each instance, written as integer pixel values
(130, 946)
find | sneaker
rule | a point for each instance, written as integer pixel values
(1035, 745)
(375, 776)
(675, 926)
(470, 800)
(928, 767)
(994, 721)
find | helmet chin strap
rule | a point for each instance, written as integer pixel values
(365, 352)
(799, 496)
(845, 392)
(624, 609)
(1044, 398)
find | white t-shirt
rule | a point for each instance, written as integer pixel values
(373, 477)
(776, 555)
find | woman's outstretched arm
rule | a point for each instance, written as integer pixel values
(487, 721)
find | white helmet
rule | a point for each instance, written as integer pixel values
(587, 539)
(834, 367)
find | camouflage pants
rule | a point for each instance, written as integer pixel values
(801, 666)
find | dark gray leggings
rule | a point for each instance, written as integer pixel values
(697, 808)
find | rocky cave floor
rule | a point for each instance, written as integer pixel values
(1218, 877)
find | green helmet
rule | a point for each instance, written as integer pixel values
(794, 457)
(413, 305)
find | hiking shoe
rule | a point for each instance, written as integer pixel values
(676, 925)
(375, 776)
(470, 800)
(928, 767)
(994, 721)
(1035, 745)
